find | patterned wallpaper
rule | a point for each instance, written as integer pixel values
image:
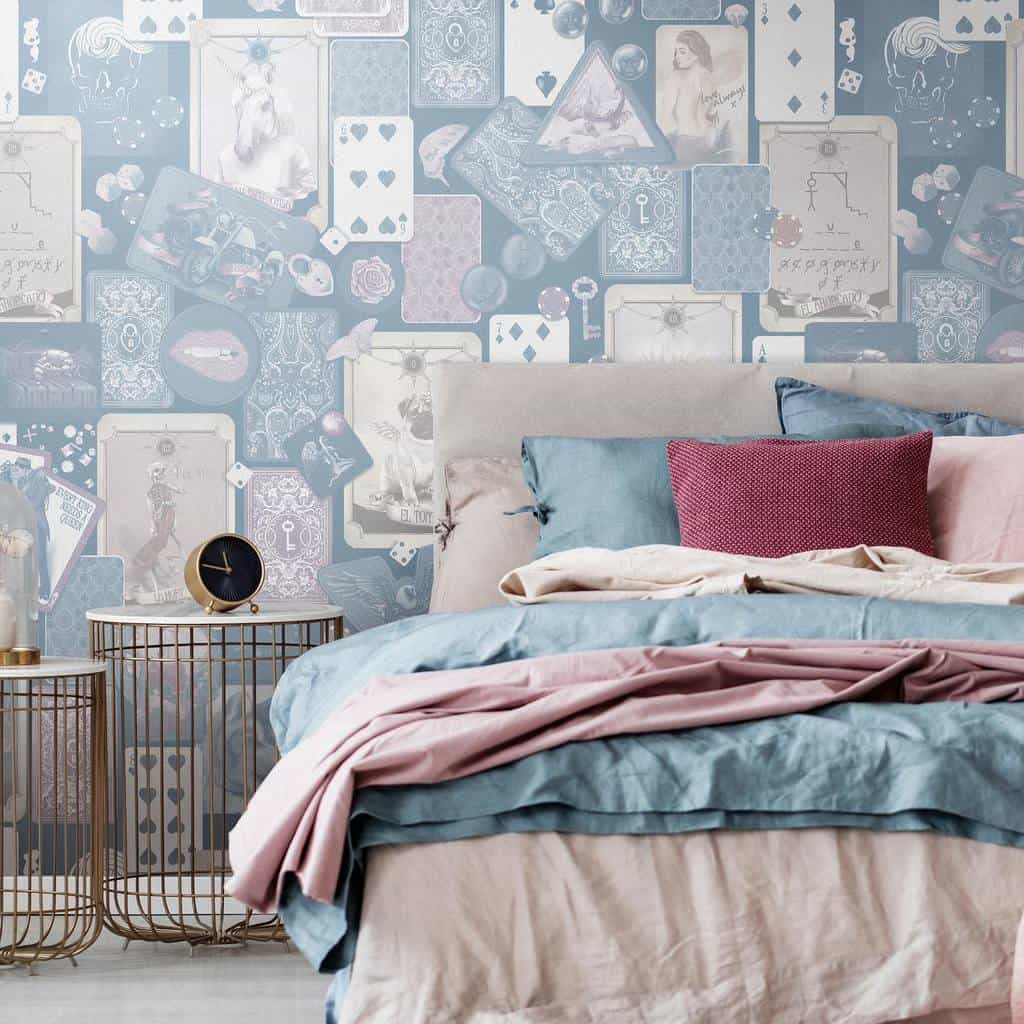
(238, 235)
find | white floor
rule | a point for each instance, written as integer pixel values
(157, 984)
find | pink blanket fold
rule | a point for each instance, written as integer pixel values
(433, 726)
(1017, 992)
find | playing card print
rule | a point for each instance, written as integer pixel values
(292, 528)
(373, 178)
(981, 20)
(529, 338)
(164, 21)
(538, 61)
(794, 60)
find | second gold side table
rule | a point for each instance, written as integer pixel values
(52, 818)
(189, 739)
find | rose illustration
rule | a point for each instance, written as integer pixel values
(372, 280)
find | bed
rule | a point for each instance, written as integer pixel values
(494, 860)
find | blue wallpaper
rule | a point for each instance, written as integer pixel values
(237, 237)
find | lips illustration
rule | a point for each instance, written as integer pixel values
(1007, 348)
(216, 355)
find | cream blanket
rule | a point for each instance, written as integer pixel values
(664, 571)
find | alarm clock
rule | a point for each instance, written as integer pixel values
(224, 573)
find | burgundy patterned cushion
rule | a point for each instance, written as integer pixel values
(773, 497)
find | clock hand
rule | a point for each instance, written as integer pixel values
(216, 568)
(224, 555)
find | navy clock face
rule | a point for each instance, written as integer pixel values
(231, 569)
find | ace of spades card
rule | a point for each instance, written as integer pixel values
(538, 61)
(373, 178)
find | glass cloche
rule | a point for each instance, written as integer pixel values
(19, 578)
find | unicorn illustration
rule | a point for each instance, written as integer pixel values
(265, 154)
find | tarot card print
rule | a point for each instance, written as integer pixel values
(928, 80)
(597, 118)
(560, 207)
(294, 383)
(94, 582)
(862, 343)
(260, 101)
(644, 234)
(132, 311)
(164, 480)
(395, 22)
(703, 93)
(343, 8)
(162, 21)
(839, 182)
(981, 20)
(369, 78)
(373, 178)
(671, 323)
(329, 454)
(160, 785)
(538, 61)
(40, 196)
(389, 404)
(291, 526)
(371, 593)
(948, 312)
(448, 242)
(795, 68)
(726, 254)
(987, 241)
(49, 367)
(455, 53)
(223, 246)
(528, 338)
(1013, 107)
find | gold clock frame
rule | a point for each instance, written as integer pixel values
(210, 602)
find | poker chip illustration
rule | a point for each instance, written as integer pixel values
(787, 231)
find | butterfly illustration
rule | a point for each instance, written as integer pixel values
(354, 344)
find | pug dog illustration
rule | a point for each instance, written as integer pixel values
(407, 471)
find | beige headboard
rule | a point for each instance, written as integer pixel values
(486, 409)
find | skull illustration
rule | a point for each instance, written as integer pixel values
(104, 67)
(921, 68)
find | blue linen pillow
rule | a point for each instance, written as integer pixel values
(808, 408)
(610, 492)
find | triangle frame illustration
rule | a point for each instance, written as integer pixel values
(594, 101)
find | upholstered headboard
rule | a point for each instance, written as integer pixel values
(486, 409)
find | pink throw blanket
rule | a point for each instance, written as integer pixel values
(433, 726)
(1017, 994)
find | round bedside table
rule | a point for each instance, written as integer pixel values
(189, 740)
(52, 814)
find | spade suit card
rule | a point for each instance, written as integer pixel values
(373, 178)
(161, 21)
(538, 61)
(984, 21)
(795, 63)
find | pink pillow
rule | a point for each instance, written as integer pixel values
(976, 494)
(774, 497)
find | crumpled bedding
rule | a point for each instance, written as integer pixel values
(664, 571)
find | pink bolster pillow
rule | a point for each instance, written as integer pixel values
(774, 496)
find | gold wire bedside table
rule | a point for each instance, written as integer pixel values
(52, 815)
(189, 740)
